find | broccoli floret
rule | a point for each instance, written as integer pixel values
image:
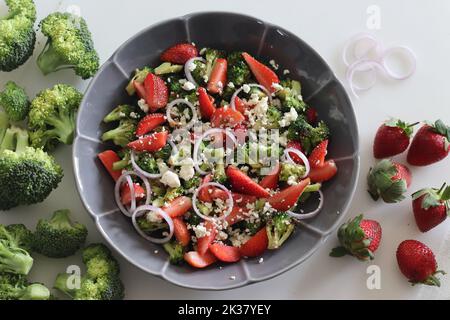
(150, 226)
(175, 251)
(238, 70)
(194, 219)
(273, 119)
(17, 35)
(124, 111)
(99, 266)
(192, 183)
(164, 153)
(21, 236)
(199, 72)
(52, 116)
(14, 101)
(69, 46)
(308, 135)
(173, 193)
(16, 287)
(139, 76)
(125, 162)
(291, 171)
(291, 96)
(95, 250)
(167, 67)
(61, 284)
(279, 229)
(123, 134)
(59, 237)
(13, 259)
(147, 162)
(219, 173)
(28, 175)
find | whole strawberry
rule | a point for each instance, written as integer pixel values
(392, 138)
(388, 180)
(417, 263)
(431, 207)
(430, 144)
(358, 237)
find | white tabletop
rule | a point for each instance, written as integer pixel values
(325, 25)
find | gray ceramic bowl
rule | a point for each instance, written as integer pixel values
(228, 31)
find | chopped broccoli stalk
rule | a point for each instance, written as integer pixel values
(59, 237)
(13, 258)
(313, 188)
(167, 67)
(279, 229)
(291, 171)
(175, 251)
(124, 163)
(52, 116)
(69, 46)
(61, 284)
(35, 291)
(17, 35)
(21, 236)
(290, 96)
(238, 71)
(123, 134)
(150, 226)
(308, 135)
(139, 76)
(4, 125)
(28, 174)
(15, 102)
(219, 173)
(16, 287)
(123, 111)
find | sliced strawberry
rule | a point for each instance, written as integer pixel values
(243, 184)
(206, 102)
(238, 214)
(181, 231)
(125, 193)
(271, 180)
(218, 77)
(204, 194)
(265, 76)
(311, 116)
(242, 200)
(226, 117)
(140, 90)
(256, 245)
(324, 173)
(240, 131)
(298, 146)
(149, 122)
(240, 105)
(287, 198)
(317, 156)
(156, 92)
(108, 158)
(197, 260)
(178, 206)
(180, 53)
(225, 253)
(203, 243)
(150, 143)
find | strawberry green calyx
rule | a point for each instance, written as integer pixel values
(441, 128)
(432, 280)
(353, 241)
(381, 183)
(434, 197)
(407, 128)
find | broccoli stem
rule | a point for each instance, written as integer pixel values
(14, 260)
(9, 140)
(312, 188)
(4, 124)
(36, 291)
(49, 60)
(22, 140)
(64, 128)
(61, 219)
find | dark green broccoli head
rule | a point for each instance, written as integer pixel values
(95, 250)
(52, 116)
(100, 266)
(17, 36)
(192, 183)
(175, 251)
(103, 288)
(150, 226)
(59, 237)
(147, 162)
(13, 259)
(123, 134)
(238, 71)
(163, 153)
(308, 135)
(291, 96)
(69, 46)
(21, 236)
(279, 229)
(14, 101)
(199, 72)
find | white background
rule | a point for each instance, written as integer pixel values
(326, 25)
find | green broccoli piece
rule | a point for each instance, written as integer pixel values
(279, 229)
(52, 116)
(291, 96)
(238, 71)
(21, 236)
(13, 259)
(175, 251)
(308, 135)
(273, 119)
(167, 67)
(16, 287)
(291, 171)
(15, 102)
(99, 266)
(69, 46)
(164, 153)
(147, 163)
(148, 226)
(139, 76)
(192, 183)
(4, 125)
(95, 250)
(194, 219)
(123, 134)
(61, 284)
(125, 162)
(121, 112)
(199, 72)
(59, 237)
(173, 193)
(28, 175)
(219, 174)
(17, 35)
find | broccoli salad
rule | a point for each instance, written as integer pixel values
(217, 157)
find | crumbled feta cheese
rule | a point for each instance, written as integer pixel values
(200, 231)
(277, 86)
(286, 71)
(187, 172)
(202, 51)
(171, 179)
(143, 105)
(274, 64)
(162, 166)
(153, 217)
(230, 85)
(232, 277)
(192, 66)
(246, 88)
(205, 78)
(292, 181)
(261, 260)
(288, 118)
(134, 115)
(156, 252)
(182, 81)
(188, 86)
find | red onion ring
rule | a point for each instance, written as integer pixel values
(187, 71)
(236, 93)
(301, 155)
(181, 101)
(199, 141)
(409, 54)
(353, 43)
(126, 176)
(356, 66)
(309, 215)
(230, 201)
(140, 211)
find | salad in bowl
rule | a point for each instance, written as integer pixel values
(217, 156)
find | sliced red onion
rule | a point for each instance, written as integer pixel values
(187, 70)
(146, 208)
(409, 54)
(353, 42)
(126, 176)
(309, 215)
(181, 101)
(362, 65)
(230, 201)
(199, 141)
(236, 93)
(141, 171)
(301, 155)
